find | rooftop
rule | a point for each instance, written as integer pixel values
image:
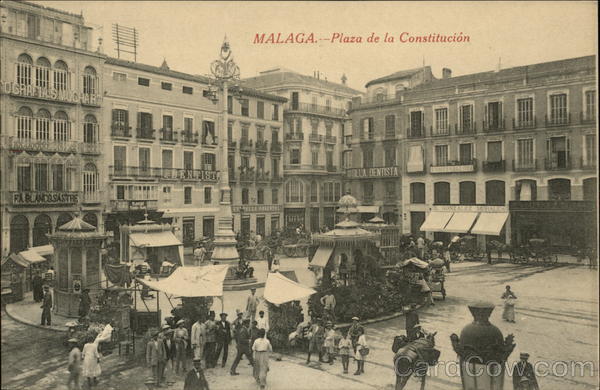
(41, 7)
(397, 75)
(282, 77)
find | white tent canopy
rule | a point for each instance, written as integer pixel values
(280, 289)
(203, 281)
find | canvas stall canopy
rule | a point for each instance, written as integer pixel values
(279, 289)
(204, 281)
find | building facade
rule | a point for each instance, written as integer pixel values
(314, 122)
(518, 143)
(51, 97)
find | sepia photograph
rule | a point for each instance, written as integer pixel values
(299, 195)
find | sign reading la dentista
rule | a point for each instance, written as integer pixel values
(372, 172)
(62, 95)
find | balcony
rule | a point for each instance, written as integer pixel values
(559, 120)
(524, 124)
(369, 136)
(40, 145)
(92, 197)
(90, 148)
(297, 136)
(330, 139)
(304, 167)
(524, 166)
(373, 172)
(553, 164)
(133, 204)
(315, 109)
(465, 128)
(145, 134)
(588, 164)
(443, 132)
(263, 177)
(415, 132)
(210, 141)
(494, 166)
(168, 135)
(262, 146)
(38, 198)
(587, 117)
(163, 173)
(276, 147)
(497, 124)
(315, 138)
(247, 174)
(188, 137)
(245, 145)
(454, 167)
(120, 131)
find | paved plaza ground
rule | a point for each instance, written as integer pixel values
(557, 316)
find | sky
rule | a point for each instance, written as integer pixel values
(189, 34)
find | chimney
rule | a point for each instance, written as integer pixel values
(499, 66)
(446, 73)
(344, 78)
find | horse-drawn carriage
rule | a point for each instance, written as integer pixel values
(437, 277)
(538, 252)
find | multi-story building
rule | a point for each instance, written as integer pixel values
(51, 94)
(313, 130)
(255, 126)
(508, 154)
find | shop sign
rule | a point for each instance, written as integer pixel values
(471, 208)
(41, 198)
(32, 91)
(372, 172)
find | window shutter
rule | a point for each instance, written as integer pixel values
(114, 115)
(549, 156)
(568, 149)
(371, 125)
(126, 118)
(139, 120)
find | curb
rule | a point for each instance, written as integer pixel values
(25, 322)
(377, 319)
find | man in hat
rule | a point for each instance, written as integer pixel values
(328, 302)
(74, 365)
(411, 319)
(156, 357)
(198, 338)
(37, 286)
(237, 323)
(84, 303)
(181, 343)
(355, 331)
(524, 375)
(223, 339)
(252, 304)
(46, 306)
(169, 342)
(195, 380)
(211, 340)
(261, 321)
(243, 346)
(316, 340)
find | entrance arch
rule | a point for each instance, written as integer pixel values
(19, 233)
(41, 226)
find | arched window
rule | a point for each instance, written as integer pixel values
(62, 127)
(495, 193)
(90, 182)
(89, 80)
(526, 190)
(294, 191)
(441, 193)
(62, 219)
(61, 75)
(90, 129)
(24, 123)
(466, 192)
(559, 189)
(590, 189)
(42, 72)
(417, 192)
(91, 218)
(19, 233)
(379, 95)
(42, 124)
(41, 226)
(24, 65)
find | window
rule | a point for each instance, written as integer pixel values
(314, 191)
(525, 156)
(208, 162)
(24, 178)
(260, 196)
(245, 162)
(188, 125)
(294, 156)
(347, 159)
(207, 195)
(188, 160)
(368, 191)
(390, 126)
(315, 157)
(144, 160)
(441, 193)
(120, 159)
(465, 154)
(260, 110)
(294, 191)
(441, 155)
(368, 158)
(41, 176)
(417, 193)
(167, 159)
(90, 130)
(558, 153)
(143, 81)
(90, 180)
(120, 192)
(187, 195)
(90, 81)
(230, 104)
(167, 194)
(466, 192)
(494, 151)
(145, 121)
(416, 124)
(42, 73)
(117, 76)
(329, 159)
(558, 108)
(466, 118)
(390, 189)
(166, 86)
(314, 102)
(275, 112)
(525, 112)
(368, 130)
(58, 183)
(62, 127)
(245, 196)
(441, 121)
(559, 189)
(295, 100)
(187, 90)
(260, 164)
(260, 134)
(120, 121)
(494, 193)
(390, 157)
(24, 65)
(274, 196)
(245, 105)
(275, 167)
(328, 105)
(590, 149)
(208, 132)
(590, 105)
(24, 123)
(61, 76)
(494, 116)
(167, 123)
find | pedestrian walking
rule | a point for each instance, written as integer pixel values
(243, 346)
(316, 340)
(261, 321)
(211, 340)
(198, 339)
(37, 285)
(170, 348)
(181, 343)
(47, 306)
(524, 375)
(328, 302)
(237, 323)
(411, 319)
(253, 332)
(269, 255)
(509, 305)
(251, 304)
(223, 339)
(355, 332)
(345, 347)
(91, 369)
(421, 247)
(84, 303)
(74, 365)
(362, 350)
(261, 350)
(199, 254)
(155, 356)
(329, 342)
(195, 380)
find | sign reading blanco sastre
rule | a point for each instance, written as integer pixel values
(373, 172)
(62, 95)
(35, 198)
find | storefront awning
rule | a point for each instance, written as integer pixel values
(368, 209)
(460, 222)
(490, 224)
(436, 221)
(321, 257)
(44, 250)
(32, 256)
(153, 239)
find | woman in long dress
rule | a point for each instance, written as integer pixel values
(261, 350)
(358, 356)
(509, 305)
(91, 362)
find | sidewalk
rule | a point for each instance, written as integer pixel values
(29, 312)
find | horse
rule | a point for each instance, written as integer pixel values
(414, 357)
